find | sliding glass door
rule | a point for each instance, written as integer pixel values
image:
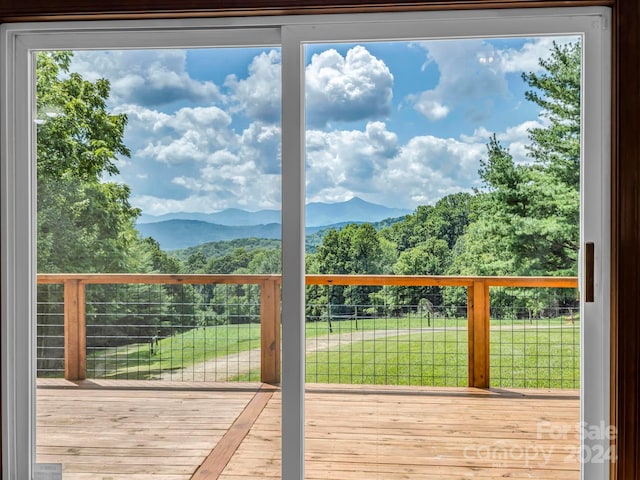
(449, 173)
(438, 158)
(424, 197)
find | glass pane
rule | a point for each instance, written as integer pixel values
(158, 257)
(436, 171)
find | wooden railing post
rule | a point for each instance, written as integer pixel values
(478, 330)
(270, 331)
(75, 332)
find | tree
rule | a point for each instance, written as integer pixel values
(527, 216)
(85, 224)
(446, 220)
(449, 218)
(429, 258)
(531, 212)
(266, 261)
(555, 150)
(356, 249)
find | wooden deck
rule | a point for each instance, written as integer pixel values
(143, 430)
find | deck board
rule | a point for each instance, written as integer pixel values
(399, 433)
(134, 430)
(115, 430)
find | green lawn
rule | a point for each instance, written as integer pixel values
(409, 351)
(314, 329)
(135, 361)
(423, 358)
(536, 358)
(522, 356)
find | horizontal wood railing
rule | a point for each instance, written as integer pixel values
(477, 309)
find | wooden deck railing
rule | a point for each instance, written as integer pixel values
(477, 309)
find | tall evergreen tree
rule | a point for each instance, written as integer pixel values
(531, 212)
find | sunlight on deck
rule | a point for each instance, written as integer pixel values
(135, 430)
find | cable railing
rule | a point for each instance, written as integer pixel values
(360, 329)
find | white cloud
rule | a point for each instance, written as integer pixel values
(432, 109)
(428, 168)
(355, 87)
(190, 134)
(145, 77)
(184, 149)
(199, 159)
(195, 157)
(468, 77)
(515, 138)
(347, 160)
(261, 143)
(258, 95)
(343, 164)
(473, 73)
(223, 186)
(154, 205)
(151, 120)
(368, 163)
(526, 59)
(371, 164)
(245, 172)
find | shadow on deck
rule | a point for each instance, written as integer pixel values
(138, 430)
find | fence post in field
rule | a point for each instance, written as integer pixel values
(478, 331)
(75, 335)
(270, 331)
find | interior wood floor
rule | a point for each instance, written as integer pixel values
(104, 430)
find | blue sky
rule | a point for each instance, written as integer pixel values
(401, 124)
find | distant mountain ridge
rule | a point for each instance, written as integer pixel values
(232, 217)
(181, 234)
(175, 234)
(317, 214)
(183, 230)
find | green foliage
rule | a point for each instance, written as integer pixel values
(429, 258)
(356, 249)
(557, 91)
(313, 240)
(528, 215)
(77, 137)
(446, 220)
(84, 223)
(225, 247)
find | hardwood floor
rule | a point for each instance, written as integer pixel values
(113, 431)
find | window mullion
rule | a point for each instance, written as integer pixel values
(293, 244)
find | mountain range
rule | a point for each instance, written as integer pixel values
(183, 229)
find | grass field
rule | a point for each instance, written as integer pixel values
(200, 344)
(136, 361)
(519, 358)
(395, 351)
(536, 358)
